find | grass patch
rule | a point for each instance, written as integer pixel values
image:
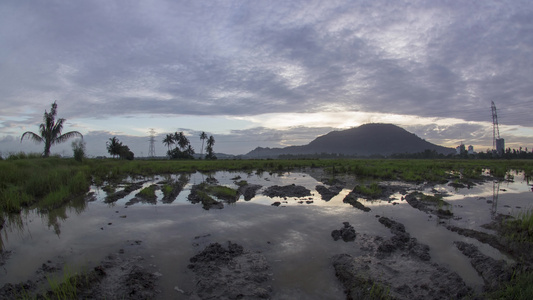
(148, 193)
(222, 192)
(166, 189)
(64, 287)
(519, 287)
(373, 190)
(520, 229)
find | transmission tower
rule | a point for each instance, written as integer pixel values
(498, 144)
(151, 150)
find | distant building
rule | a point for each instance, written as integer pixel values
(460, 149)
(471, 149)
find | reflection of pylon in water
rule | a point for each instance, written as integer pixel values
(495, 193)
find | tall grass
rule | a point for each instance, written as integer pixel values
(46, 183)
(520, 229)
(519, 287)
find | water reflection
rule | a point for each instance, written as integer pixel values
(495, 194)
(13, 223)
(16, 223)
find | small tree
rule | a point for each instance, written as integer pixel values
(78, 147)
(126, 153)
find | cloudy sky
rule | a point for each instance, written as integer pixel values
(265, 73)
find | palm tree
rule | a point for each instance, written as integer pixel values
(182, 141)
(203, 137)
(114, 146)
(50, 131)
(211, 141)
(168, 140)
(210, 154)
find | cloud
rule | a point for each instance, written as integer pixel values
(239, 59)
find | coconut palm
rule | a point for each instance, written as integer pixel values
(50, 131)
(203, 137)
(209, 149)
(182, 140)
(114, 146)
(168, 140)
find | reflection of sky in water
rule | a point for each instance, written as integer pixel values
(295, 238)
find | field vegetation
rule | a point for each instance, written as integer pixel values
(27, 181)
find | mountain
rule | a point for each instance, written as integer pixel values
(367, 139)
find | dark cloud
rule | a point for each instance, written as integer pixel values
(237, 58)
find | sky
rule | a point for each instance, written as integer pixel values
(265, 73)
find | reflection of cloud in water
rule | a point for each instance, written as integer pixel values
(294, 242)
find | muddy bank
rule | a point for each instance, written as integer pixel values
(199, 195)
(172, 189)
(494, 272)
(510, 237)
(398, 267)
(351, 199)
(128, 189)
(429, 204)
(230, 272)
(116, 277)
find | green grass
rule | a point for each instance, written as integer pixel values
(222, 192)
(166, 189)
(520, 229)
(64, 287)
(373, 190)
(148, 192)
(519, 287)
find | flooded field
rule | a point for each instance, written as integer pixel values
(294, 236)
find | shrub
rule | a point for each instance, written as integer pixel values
(78, 147)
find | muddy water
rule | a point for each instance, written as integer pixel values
(294, 237)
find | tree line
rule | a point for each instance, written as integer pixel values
(182, 146)
(50, 133)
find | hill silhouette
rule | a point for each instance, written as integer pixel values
(365, 140)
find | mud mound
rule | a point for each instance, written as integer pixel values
(248, 191)
(347, 233)
(230, 273)
(351, 199)
(328, 193)
(287, 191)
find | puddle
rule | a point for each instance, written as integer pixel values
(295, 237)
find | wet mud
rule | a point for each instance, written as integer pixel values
(116, 277)
(230, 272)
(398, 267)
